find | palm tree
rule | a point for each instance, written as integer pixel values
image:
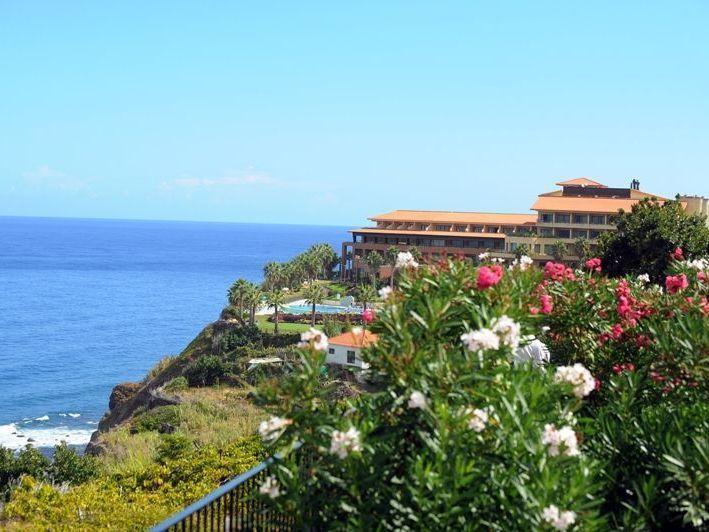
(366, 294)
(582, 248)
(374, 261)
(253, 301)
(275, 299)
(559, 250)
(314, 295)
(273, 273)
(391, 255)
(522, 249)
(416, 253)
(237, 292)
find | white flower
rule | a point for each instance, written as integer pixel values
(344, 443)
(698, 264)
(558, 520)
(578, 376)
(318, 339)
(417, 400)
(270, 487)
(524, 262)
(357, 330)
(406, 260)
(560, 441)
(644, 278)
(385, 292)
(481, 340)
(508, 330)
(271, 429)
(497, 260)
(478, 419)
(483, 256)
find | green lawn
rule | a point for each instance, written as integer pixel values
(267, 326)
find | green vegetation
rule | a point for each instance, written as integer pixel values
(647, 236)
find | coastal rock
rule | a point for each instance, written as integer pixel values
(122, 392)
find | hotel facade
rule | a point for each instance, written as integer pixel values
(580, 209)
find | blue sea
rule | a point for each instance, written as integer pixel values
(87, 304)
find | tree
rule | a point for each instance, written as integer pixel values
(314, 295)
(374, 261)
(558, 250)
(646, 236)
(274, 275)
(521, 250)
(392, 253)
(253, 301)
(237, 292)
(416, 253)
(582, 249)
(275, 299)
(366, 294)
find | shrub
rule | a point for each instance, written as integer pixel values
(157, 417)
(460, 435)
(240, 337)
(177, 384)
(206, 371)
(159, 366)
(70, 468)
(172, 446)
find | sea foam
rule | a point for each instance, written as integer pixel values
(14, 437)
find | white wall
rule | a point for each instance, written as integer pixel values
(340, 356)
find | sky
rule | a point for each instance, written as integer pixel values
(330, 112)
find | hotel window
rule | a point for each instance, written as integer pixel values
(331, 350)
(438, 242)
(443, 228)
(478, 229)
(537, 248)
(350, 357)
(549, 249)
(593, 234)
(579, 233)
(493, 229)
(598, 219)
(563, 233)
(513, 246)
(563, 218)
(545, 231)
(580, 218)
(460, 228)
(545, 217)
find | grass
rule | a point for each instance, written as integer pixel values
(267, 326)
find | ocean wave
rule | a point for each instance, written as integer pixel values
(14, 437)
(42, 418)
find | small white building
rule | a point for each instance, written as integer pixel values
(346, 349)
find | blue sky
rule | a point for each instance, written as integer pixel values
(327, 112)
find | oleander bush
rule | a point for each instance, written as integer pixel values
(462, 433)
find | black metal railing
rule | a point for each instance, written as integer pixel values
(233, 506)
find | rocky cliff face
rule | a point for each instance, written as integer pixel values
(127, 398)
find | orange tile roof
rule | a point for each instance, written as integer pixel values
(576, 204)
(405, 232)
(455, 217)
(582, 181)
(350, 339)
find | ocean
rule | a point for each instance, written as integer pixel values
(88, 304)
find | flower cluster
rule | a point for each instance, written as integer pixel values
(678, 254)
(546, 305)
(271, 429)
(368, 315)
(270, 487)
(594, 264)
(508, 330)
(675, 283)
(523, 262)
(561, 441)
(578, 376)
(504, 331)
(315, 338)
(489, 276)
(629, 308)
(557, 519)
(620, 368)
(556, 271)
(385, 292)
(406, 260)
(481, 340)
(477, 419)
(417, 400)
(344, 443)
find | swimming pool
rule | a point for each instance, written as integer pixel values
(322, 309)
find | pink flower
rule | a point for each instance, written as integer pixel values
(534, 310)
(556, 271)
(594, 264)
(368, 315)
(597, 384)
(677, 254)
(489, 276)
(547, 303)
(675, 283)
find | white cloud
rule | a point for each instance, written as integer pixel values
(44, 176)
(244, 180)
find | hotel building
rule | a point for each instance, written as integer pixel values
(580, 209)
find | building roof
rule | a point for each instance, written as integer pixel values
(354, 338)
(582, 182)
(576, 204)
(408, 232)
(455, 217)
